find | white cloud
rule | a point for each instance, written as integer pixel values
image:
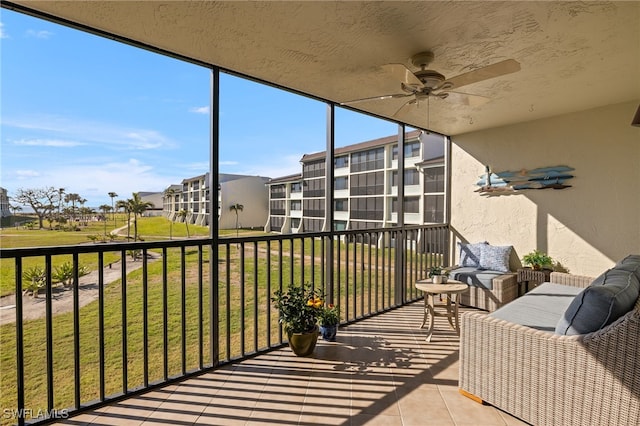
(94, 181)
(229, 163)
(26, 174)
(48, 142)
(200, 110)
(42, 34)
(287, 165)
(3, 34)
(99, 133)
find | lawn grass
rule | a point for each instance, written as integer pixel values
(241, 290)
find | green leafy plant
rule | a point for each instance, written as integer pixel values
(33, 279)
(435, 270)
(299, 308)
(537, 260)
(64, 273)
(329, 315)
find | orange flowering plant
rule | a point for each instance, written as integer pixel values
(299, 308)
(330, 315)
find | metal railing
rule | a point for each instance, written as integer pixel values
(131, 325)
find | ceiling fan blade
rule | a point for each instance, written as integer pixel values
(485, 73)
(404, 108)
(467, 99)
(404, 74)
(377, 98)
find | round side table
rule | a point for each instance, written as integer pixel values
(451, 290)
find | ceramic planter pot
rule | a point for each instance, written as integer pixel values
(329, 332)
(303, 344)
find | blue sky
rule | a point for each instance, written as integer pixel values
(93, 116)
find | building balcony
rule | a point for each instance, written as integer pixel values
(380, 370)
(151, 317)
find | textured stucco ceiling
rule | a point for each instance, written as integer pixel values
(573, 55)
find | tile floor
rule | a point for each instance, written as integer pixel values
(380, 371)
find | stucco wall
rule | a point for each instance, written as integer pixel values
(587, 227)
(252, 193)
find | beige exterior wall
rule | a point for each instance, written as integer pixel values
(252, 193)
(587, 227)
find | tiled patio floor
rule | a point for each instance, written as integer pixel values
(381, 371)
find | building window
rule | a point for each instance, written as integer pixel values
(295, 223)
(277, 207)
(278, 191)
(313, 208)
(341, 183)
(341, 162)
(341, 205)
(296, 205)
(313, 188)
(411, 205)
(411, 149)
(369, 208)
(312, 225)
(367, 184)
(339, 225)
(296, 187)
(411, 177)
(434, 179)
(276, 223)
(367, 160)
(434, 208)
(313, 169)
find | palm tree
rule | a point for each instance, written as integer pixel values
(105, 210)
(183, 215)
(60, 200)
(113, 216)
(137, 207)
(73, 199)
(237, 208)
(124, 205)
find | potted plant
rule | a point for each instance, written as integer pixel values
(437, 274)
(329, 320)
(299, 310)
(538, 260)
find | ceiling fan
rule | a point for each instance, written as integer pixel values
(425, 83)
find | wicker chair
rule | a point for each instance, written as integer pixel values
(505, 289)
(548, 379)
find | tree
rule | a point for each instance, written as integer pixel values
(124, 205)
(170, 194)
(60, 201)
(237, 208)
(183, 215)
(113, 195)
(137, 207)
(41, 200)
(105, 210)
(73, 199)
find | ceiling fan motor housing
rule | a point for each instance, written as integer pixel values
(430, 78)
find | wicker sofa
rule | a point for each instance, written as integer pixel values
(545, 378)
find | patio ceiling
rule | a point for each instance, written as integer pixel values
(573, 55)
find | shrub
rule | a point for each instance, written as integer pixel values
(33, 279)
(64, 273)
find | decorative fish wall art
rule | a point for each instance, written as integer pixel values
(509, 182)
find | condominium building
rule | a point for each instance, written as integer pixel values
(365, 187)
(241, 198)
(5, 209)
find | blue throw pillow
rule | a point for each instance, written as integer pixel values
(495, 258)
(610, 296)
(470, 254)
